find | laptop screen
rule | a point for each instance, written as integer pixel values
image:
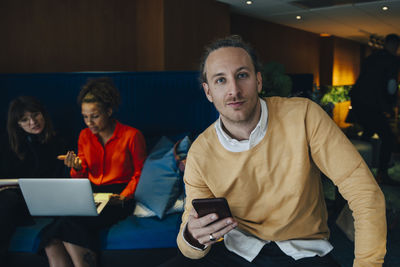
(58, 196)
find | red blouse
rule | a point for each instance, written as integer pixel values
(119, 161)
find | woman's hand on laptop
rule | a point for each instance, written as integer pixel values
(71, 160)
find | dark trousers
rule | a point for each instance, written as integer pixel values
(270, 255)
(13, 212)
(84, 231)
(375, 121)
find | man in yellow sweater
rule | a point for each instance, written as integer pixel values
(265, 156)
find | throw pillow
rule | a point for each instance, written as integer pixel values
(161, 182)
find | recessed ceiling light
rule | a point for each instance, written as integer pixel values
(249, 2)
(385, 8)
(298, 17)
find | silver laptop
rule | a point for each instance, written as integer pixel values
(62, 197)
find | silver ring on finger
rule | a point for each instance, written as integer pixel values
(212, 238)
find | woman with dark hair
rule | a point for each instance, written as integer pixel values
(111, 155)
(30, 150)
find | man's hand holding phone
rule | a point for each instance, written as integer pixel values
(208, 222)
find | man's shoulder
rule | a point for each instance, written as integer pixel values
(291, 103)
(288, 100)
(381, 57)
(287, 111)
(205, 138)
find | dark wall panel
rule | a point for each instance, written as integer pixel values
(68, 35)
(346, 62)
(297, 50)
(150, 51)
(41, 36)
(189, 26)
(326, 60)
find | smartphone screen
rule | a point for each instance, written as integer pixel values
(204, 206)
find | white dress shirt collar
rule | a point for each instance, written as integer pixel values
(256, 135)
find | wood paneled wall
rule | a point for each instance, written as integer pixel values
(67, 35)
(346, 62)
(156, 35)
(149, 35)
(326, 60)
(297, 50)
(103, 35)
(189, 26)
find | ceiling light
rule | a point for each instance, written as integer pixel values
(324, 34)
(249, 2)
(385, 8)
(298, 17)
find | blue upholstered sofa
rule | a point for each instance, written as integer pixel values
(159, 104)
(144, 241)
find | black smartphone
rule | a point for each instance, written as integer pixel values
(204, 206)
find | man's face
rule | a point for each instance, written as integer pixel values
(232, 84)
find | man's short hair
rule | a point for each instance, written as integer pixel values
(230, 41)
(392, 38)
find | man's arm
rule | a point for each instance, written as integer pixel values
(367, 202)
(194, 235)
(338, 159)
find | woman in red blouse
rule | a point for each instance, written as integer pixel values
(111, 155)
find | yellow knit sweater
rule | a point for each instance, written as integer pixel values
(274, 189)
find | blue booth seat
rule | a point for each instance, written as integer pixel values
(142, 233)
(131, 233)
(26, 238)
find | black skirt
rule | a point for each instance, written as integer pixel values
(84, 231)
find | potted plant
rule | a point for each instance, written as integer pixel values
(338, 96)
(275, 81)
